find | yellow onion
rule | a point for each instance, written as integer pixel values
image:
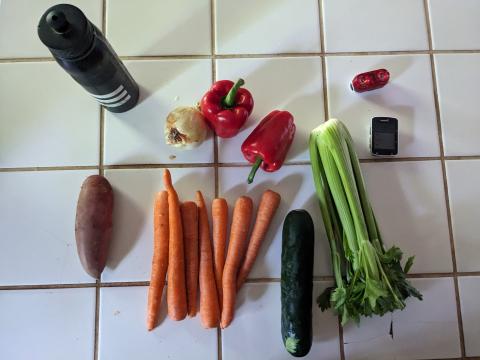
(185, 127)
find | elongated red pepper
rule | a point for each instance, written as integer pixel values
(227, 106)
(268, 144)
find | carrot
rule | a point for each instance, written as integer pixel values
(209, 309)
(242, 217)
(266, 210)
(176, 292)
(220, 224)
(190, 239)
(160, 258)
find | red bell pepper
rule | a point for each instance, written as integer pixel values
(268, 144)
(226, 106)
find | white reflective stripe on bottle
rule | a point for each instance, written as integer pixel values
(120, 103)
(106, 96)
(114, 99)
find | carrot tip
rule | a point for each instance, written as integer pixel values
(167, 178)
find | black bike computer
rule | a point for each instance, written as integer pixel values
(384, 136)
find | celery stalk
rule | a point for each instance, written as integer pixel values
(369, 280)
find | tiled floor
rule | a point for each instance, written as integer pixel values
(298, 55)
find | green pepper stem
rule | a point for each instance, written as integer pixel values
(256, 165)
(229, 100)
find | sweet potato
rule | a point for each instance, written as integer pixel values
(93, 224)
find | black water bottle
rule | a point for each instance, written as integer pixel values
(82, 50)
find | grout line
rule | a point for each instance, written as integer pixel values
(430, 275)
(262, 56)
(463, 157)
(215, 140)
(46, 286)
(97, 319)
(219, 164)
(215, 137)
(372, 53)
(341, 341)
(215, 156)
(459, 317)
(32, 59)
(219, 343)
(100, 172)
(262, 280)
(48, 168)
(399, 159)
(255, 56)
(124, 283)
(325, 90)
(157, 166)
(445, 180)
(213, 29)
(323, 278)
(245, 164)
(165, 57)
(101, 167)
(324, 62)
(248, 281)
(468, 273)
(104, 17)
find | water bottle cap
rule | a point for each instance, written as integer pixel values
(66, 31)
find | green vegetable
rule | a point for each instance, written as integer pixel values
(296, 282)
(369, 279)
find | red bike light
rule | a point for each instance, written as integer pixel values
(370, 80)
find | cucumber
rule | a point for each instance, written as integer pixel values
(297, 282)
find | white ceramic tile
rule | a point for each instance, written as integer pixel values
(469, 288)
(47, 324)
(267, 26)
(19, 20)
(455, 24)
(463, 176)
(137, 136)
(408, 97)
(428, 329)
(425, 329)
(374, 25)
(371, 340)
(37, 222)
(168, 27)
(255, 331)
(293, 84)
(295, 184)
(458, 93)
(123, 332)
(132, 238)
(46, 119)
(409, 202)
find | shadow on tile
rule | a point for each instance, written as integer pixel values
(322, 258)
(300, 142)
(163, 307)
(402, 208)
(250, 293)
(143, 95)
(194, 182)
(150, 107)
(122, 243)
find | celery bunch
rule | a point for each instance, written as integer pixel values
(369, 279)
